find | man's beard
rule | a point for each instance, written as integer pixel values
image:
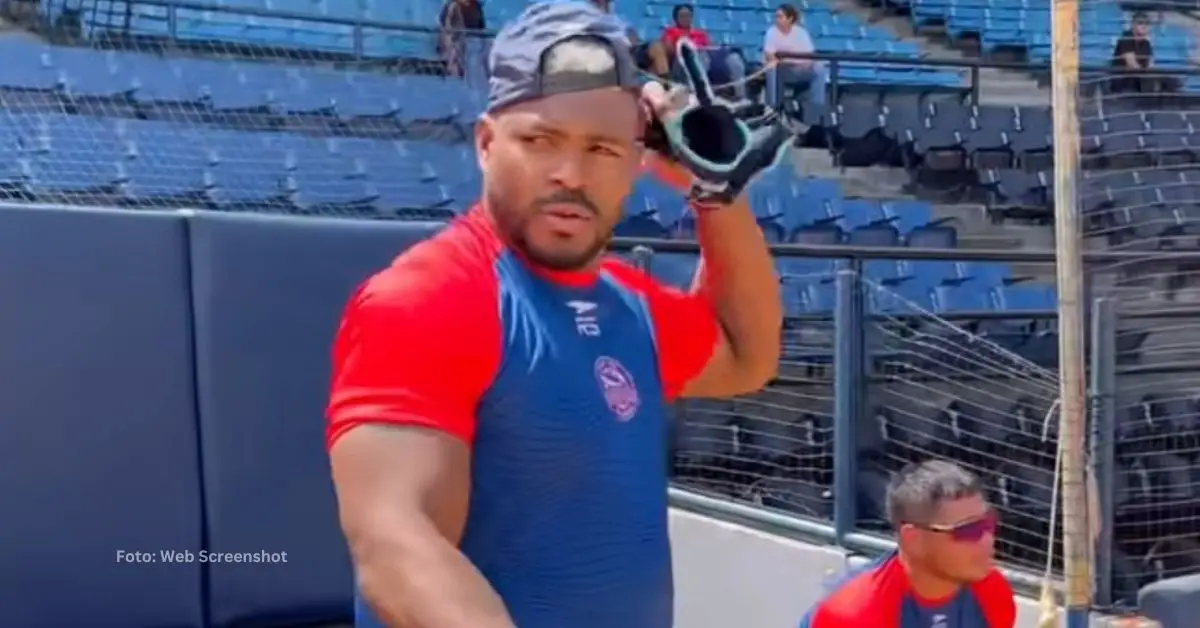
(557, 261)
(515, 228)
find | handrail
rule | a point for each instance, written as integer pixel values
(846, 251)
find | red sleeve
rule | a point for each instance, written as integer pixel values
(418, 344)
(996, 598)
(700, 38)
(685, 327)
(866, 599)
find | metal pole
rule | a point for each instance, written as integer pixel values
(848, 382)
(1103, 440)
(1077, 547)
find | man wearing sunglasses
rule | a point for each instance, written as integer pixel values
(941, 574)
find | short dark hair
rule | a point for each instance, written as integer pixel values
(790, 11)
(680, 8)
(1141, 18)
(919, 489)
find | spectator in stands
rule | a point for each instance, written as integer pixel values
(785, 74)
(725, 66)
(1132, 54)
(651, 56)
(942, 567)
(458, 17)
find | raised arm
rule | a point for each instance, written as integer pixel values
(721, 338)
(409, 367)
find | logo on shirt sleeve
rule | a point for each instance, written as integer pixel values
(620, 391)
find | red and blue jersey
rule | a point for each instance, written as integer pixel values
(560, 382)
(879, 596)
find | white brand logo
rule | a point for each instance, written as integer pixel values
(585, 318)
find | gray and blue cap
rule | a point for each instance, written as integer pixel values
(517, 64)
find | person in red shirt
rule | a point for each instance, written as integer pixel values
(725, 66)
(683, 27)
(941, 573)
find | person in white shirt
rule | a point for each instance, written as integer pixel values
(791, 74)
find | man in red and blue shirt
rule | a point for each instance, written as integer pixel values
(498, 418)
(941, 575)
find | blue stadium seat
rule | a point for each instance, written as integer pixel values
(257, 305)
(162, 162)
(99, 457)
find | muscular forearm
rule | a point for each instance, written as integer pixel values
(738, 275)
(427, 584)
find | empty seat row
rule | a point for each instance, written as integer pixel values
(145, 162)
(150, 80)
(897, 287)
(1019, 24)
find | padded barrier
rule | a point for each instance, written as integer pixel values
(268, 293)
(120, 437)
(1172, 602)
(98, 450)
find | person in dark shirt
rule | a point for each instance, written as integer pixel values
(458, 17)
(1133, 53)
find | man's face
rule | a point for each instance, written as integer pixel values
(557, 171)
(782, 20)
(1141, 29)
(684, 18)
(959, 544)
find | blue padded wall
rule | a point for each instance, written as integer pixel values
(98, 449)
(268, 293)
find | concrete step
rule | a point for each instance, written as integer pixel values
(986, 242)
(999, 87)
(876, 182)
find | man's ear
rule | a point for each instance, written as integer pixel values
(485, 132)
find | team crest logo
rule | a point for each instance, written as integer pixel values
(618, 387)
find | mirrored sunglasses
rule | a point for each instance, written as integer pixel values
(968, 531)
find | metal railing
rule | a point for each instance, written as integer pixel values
(850, 317)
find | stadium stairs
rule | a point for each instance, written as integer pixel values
(997, 86)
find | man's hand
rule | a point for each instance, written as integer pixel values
(717, 149)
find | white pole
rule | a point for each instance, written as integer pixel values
(1072, 375)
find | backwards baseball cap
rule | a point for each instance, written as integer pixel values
(518, 63)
